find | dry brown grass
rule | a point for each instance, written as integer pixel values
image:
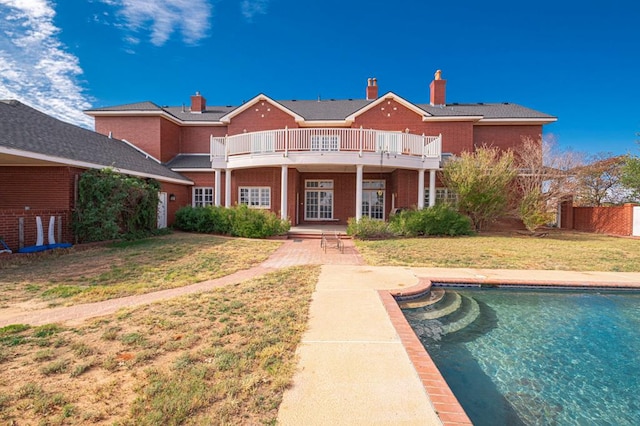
(556, 251)
(222, 357)
(125, 268)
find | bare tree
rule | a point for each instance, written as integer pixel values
(599, 181)
(544, 180)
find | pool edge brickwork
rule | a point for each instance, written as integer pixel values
(444, 402)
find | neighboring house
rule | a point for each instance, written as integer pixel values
(319, 161)
(41, 159)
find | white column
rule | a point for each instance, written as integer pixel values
(227, 188)
(359, 168)
(283, 192)
(420, 189)
(217, 188)
(432, 188)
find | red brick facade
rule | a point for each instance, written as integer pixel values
(614, 220)
(27, 192)
(165, 136)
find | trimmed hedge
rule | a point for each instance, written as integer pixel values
(238, 221)
(440, 220)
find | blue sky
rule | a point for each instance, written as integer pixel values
(577, 60)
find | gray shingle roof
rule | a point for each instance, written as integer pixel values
(27, 129)
(190, 161)
(325, 109)
(340, 109)
(487, 110)
(138, 106)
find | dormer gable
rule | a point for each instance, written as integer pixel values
(256, 102)
(385, 100)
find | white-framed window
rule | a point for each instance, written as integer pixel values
(256, 197)
(202, 196)
(373, 193)
(443, 195)
(325, 143)
(318, 200)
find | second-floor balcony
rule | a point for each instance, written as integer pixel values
(309, 141)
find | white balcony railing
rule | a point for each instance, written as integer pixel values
(326, 140)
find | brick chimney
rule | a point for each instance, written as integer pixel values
(198, 103)
(438, 91)
(372, 89)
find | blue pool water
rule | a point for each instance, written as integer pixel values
(543, 357)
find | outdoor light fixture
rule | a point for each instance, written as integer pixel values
(172, 197)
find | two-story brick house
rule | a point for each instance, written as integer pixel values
(317, 161)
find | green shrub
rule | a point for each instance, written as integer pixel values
(367, 228)
(438, 220)
(111, 205)
(239, 221)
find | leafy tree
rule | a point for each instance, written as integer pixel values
(630, 175)
(544, 179)
(483, 182)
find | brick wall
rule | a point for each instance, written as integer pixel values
(614, 220)
(10, 226)
(144, 132)
(392, 116)
(182, 195)
(261, 116)
(37, 187)
(170, 136)
(195, 140)
(505, 137)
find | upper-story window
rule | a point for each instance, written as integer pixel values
(257, 197)
(325, 143)
(202, 196)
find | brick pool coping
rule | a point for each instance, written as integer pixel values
(444, 402)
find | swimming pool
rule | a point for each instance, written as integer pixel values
(532, 357)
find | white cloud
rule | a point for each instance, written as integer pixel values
(34, 66)
(251, 8)
(164, 17)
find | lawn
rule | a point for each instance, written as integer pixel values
(125, 268)
(221, 357)
(556, 251)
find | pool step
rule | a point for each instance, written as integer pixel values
(468, 313)
(449, 303)
(432, 297)
(451, 313)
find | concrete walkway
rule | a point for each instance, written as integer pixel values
(353, 368)
(356, 364)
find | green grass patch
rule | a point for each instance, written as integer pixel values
(62, 292)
